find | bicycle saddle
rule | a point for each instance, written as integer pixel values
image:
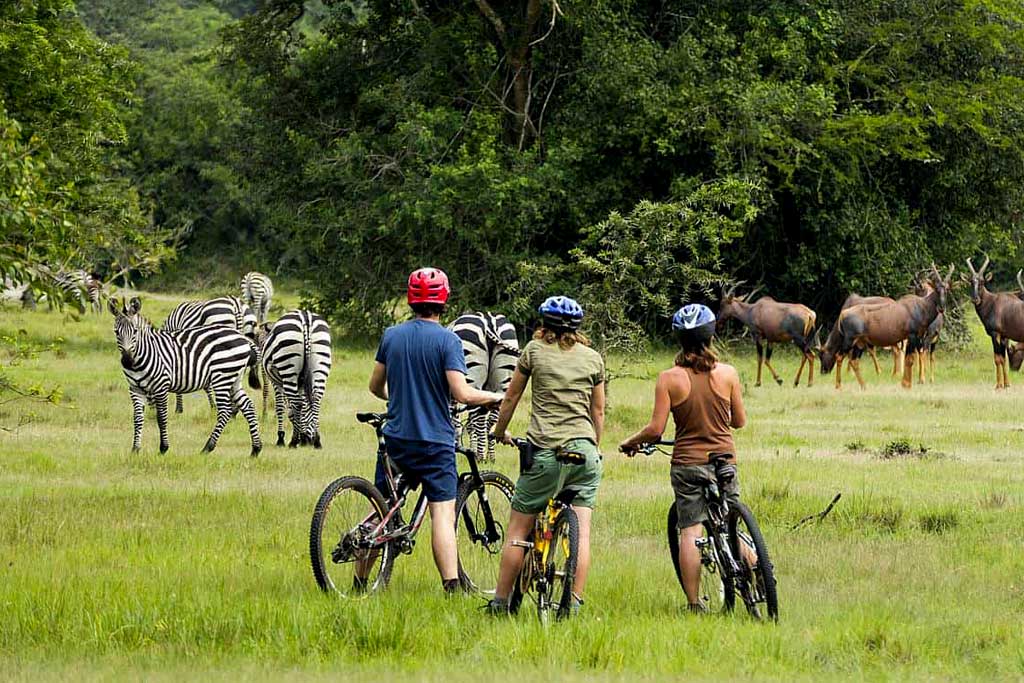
(725, 471)
(566, 496)
(372, 417)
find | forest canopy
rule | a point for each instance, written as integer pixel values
(634, 153)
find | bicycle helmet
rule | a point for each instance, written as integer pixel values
(561, 313)
(428, 286)
(695, 324)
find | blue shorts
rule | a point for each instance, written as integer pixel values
(430, 464)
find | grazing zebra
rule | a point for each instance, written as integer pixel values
(491, 348)
(296, 358)
(157, 362)
(257, 291)
(225, 311)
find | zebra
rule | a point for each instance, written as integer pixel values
(225, 311)
(296, 357)
(257, 291)
(156, 362)
(79, 287)
(491, 348)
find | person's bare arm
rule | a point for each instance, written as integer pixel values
(508, 405)
(379, 381)
(739, 412)
(659, 417)
(467, 395)
(597, 400)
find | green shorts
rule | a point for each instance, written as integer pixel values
(688, 483)
(548, 476)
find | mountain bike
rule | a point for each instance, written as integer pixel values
(733, 554)
(549, 568)
(358, 531)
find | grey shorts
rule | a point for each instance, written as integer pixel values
(688, 482)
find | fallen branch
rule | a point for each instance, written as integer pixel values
(818, 516)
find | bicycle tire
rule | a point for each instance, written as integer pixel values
(764, 571)
(710, 579)
(374, 503)
(478, 570)
(565, 530)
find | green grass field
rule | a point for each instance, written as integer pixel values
(115, 565)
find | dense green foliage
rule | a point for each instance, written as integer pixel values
(631, 152)
(872, 137)
(63, 196)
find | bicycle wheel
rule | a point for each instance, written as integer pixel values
(480, 543)
(560, 567)
(341, 536)
(716, 589)
(756, 583)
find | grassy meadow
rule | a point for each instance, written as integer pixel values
(114, 565)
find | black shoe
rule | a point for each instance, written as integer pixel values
(697, 608)
(360, 585)
(451, 586)
(497, 608)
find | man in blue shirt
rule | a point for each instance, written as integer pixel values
(420, 369)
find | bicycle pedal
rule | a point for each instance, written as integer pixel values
(522, 544)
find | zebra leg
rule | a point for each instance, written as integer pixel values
(161, 420)
(224, 409)
(213, 404)
(279, 402)
(244, 404)
(178, 405)
(138, 412)
(295, 408)
(314, 422)
(478, 433)
(492, 419)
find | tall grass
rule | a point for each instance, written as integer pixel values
(115, 565)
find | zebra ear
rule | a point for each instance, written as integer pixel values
(134, 306)
(112, 306)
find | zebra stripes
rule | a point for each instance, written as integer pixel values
(296, 358)
(225, 311)
(491, 348)
(257, 291)
(158, 362)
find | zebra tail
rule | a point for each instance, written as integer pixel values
(254, 370)
(306, 375)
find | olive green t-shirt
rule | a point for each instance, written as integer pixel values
(562, 383)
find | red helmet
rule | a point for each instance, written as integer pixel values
(428, 286)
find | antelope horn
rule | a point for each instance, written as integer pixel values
(935, 270)
(971, 266)
(752, 292)
(950, 273)
(1020, 283)
(731, 290)
(983, 265)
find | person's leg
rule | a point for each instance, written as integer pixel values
(520, 524)
(689, 562)
(434, 465)
(442, 539)
(583, 556)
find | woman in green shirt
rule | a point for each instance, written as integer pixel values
(567, 412)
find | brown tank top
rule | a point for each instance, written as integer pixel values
(702, 423)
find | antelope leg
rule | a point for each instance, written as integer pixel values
(874, 359)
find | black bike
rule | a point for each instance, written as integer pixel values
(733, 554)
(357, 531)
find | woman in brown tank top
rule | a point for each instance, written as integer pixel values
(704, 399)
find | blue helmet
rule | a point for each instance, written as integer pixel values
(561, 312)
(694, 323)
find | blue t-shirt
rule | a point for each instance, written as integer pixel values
(417, 354)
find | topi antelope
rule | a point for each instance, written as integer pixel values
(772, 322)
(1002, 314)
(897, 351)
(859, 327)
